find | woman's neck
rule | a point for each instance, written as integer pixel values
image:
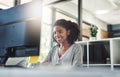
(65, 45)
(63, 48)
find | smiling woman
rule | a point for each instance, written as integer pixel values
(66, 52)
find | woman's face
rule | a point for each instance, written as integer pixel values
(61, 34)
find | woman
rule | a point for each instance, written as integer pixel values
(66, 52)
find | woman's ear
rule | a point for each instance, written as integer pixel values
(68, 32)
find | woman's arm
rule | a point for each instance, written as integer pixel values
(78, 55)
(48, 59)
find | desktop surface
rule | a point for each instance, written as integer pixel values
(58, 72)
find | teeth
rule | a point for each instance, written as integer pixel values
(58, 38)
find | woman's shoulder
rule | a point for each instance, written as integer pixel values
(54, 48)
(76, 45)
(77, 48)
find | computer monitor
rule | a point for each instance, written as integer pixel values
(20, 30)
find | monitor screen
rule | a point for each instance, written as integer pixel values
(20, 30)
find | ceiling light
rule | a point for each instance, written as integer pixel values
(102, 11)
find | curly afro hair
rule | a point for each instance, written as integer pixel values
(69, 25)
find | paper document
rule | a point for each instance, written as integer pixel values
(15, 60)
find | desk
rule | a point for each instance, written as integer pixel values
(58, 72)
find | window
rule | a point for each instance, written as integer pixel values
(5, 4)
(85, 31)
(45, 32)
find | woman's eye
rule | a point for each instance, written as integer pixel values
(60, 31)
(54, 32)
